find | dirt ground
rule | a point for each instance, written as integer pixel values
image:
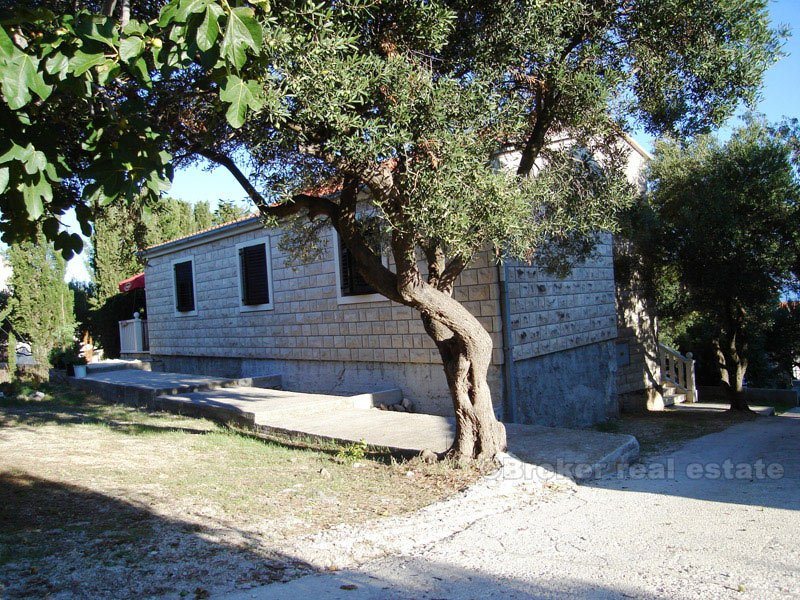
(664, 431)
(102, 500)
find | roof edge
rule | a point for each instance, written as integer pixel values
(637, 146)
(202, 237)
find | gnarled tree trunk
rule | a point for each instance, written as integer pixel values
(464, 345)
(466, 358)
(732, 368)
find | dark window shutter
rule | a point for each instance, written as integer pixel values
(353, 284)
(253, 265)
(184, 287)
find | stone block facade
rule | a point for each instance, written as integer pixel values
(317, 342)
(562, 332)
(320, 342)
(553, 314)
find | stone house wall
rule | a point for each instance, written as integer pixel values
(309, 337)
(318, 344)
(562, 332)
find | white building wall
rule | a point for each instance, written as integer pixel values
(308, 337)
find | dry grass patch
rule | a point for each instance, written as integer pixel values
(664, 431)
(104, 500)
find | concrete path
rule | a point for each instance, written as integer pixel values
(716, 407)
(656, 531)
(581, 454)
(156, 381)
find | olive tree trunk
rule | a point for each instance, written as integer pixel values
(732, 369)
(463, 343)
(466, 358)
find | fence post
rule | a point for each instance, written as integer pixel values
(137, 333)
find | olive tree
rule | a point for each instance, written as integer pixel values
(718, 233)
(382, 120)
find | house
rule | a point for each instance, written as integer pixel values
(227, 301)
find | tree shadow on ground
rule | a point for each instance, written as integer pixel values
(63, 411)
(754, 462)
(69, 541)
(420, 578)
(57, 538)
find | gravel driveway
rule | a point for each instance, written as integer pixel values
(718, 518)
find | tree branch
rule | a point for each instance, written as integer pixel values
(367, 261)
(453, 269)
(108, 8)
(342, 216)
(226, 161)
(314, 205)
(125, 13)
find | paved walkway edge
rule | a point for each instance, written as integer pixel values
(579, 454)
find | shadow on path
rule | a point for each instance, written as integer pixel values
(754, 463)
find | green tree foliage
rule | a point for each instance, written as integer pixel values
(41, 304)
(203, 217)
(720, 240)
(230, 210)
(121, 231)
(83, 292)
(782, 345)
(11, 353)
(400, 107)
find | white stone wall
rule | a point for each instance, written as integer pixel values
(306, 322)
(550, 314)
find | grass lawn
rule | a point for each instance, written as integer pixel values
(663, 431)
(100, 500)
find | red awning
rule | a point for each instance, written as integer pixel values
(132, 283)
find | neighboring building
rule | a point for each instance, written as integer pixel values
(227, 301)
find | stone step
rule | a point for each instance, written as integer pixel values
(272, 400)
(118, 365)
(671, 397)
(141, 387)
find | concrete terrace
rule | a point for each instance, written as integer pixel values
(257, 404)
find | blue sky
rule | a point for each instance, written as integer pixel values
(780, 98)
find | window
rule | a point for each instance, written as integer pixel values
(184, 286)
(254, 275)
(351, 288)
(351, 283)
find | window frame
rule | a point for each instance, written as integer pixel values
(357, 298)
(183, 313)
(264, 241)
